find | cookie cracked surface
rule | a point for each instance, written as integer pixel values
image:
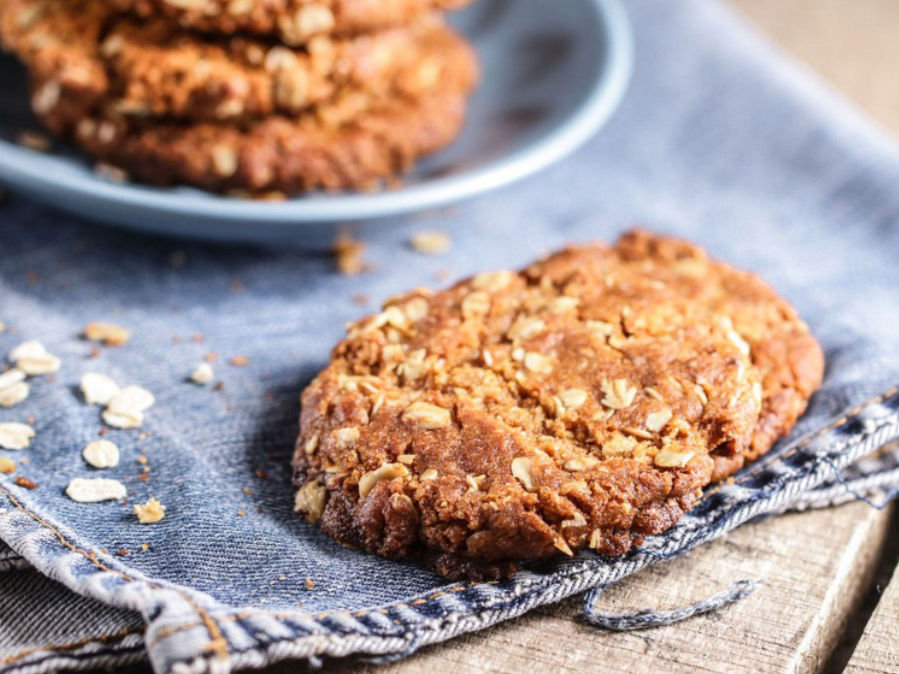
(581, 403)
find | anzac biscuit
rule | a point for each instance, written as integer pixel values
(580, 403)
(293, 22)
(348, 144)
(80, 54)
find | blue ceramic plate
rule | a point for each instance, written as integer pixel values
(553, 72)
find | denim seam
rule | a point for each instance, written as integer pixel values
(118, 636)
(371, 641)
(811, 437)
(217, 643)
(800, 445)
(107, 658)
(575, 579)
(435, 626)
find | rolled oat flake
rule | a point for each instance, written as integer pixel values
(95, 490)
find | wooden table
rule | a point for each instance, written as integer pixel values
(823, 603)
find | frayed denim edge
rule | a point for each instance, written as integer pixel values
(89, 656)
(822, 452)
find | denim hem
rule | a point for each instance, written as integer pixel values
(10, 561)
(216, 638)
(116, 650)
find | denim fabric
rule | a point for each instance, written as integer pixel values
(45, 627)
(10, 559)
(719, 140)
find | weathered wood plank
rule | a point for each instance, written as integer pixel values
(816, 566)
(878, 650)
(852, 44)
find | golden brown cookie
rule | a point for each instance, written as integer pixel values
(294, 22)
(579, 403)
(81, 53)
(364, 133)
(349, 144)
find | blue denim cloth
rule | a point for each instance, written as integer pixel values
(720, 140)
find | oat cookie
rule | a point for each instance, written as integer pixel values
(354, 140)
(81, 54)
(579, 403)
(292, 21)
(350, 144)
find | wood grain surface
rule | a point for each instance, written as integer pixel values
(815, 567)
(878, 650)
(853, 44)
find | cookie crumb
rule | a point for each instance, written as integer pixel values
(310, 584)
(239, 361)
(111, 173)
(150, 512)
(430, 242)
(348, 252)
(25, 483)
(7, 466)
(34, 141)
(110, 334)
(177, 258)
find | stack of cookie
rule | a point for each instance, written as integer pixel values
(248, 96)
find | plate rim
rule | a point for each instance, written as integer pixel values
(602, 101)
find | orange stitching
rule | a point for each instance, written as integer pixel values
(855, 411)
(217, 644)
(72, 646)
(169, 631)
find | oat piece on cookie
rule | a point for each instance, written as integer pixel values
(789, 359)
(293, 22)
(579, 403)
